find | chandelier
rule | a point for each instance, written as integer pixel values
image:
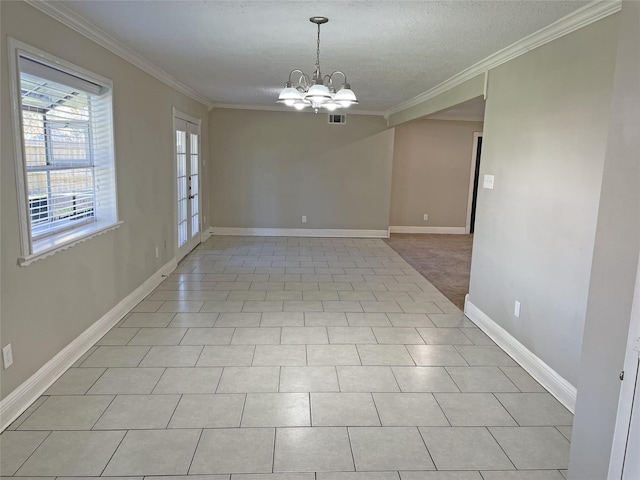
(317, 91)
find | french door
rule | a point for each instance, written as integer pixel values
(187, 158)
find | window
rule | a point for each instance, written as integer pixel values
(67, 192)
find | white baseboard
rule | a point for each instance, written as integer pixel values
(543, 373)
(205, 234)
(447, 230)
(19, 400)
(300, 232)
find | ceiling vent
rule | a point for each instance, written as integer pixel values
(338, 118)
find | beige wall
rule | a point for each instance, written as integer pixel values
(270, 168)
(431, 169)
(48, 304)
(545, 133)
(470, 89)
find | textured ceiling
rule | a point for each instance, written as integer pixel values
(241, 52)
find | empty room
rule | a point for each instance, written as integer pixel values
(302, 240)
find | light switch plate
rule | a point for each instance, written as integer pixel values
(488, 182)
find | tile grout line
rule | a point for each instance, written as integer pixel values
(433, 394)
(34, 451)
(424, 442)
(102, 414)
(500, 445)
(507, 410)
(175, 409)
(193, 456)
(18, 425)
(126, 432)
(244, 404)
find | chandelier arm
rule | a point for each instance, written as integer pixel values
(295, 70)
(304, 82)
(341, 73)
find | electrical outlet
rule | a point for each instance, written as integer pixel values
(304, 219)
(157, 252)
(516, 309)
(425, 216)
(7, 356)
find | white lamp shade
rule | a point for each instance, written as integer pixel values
(318, 94)
(289, 96)
(345, 97)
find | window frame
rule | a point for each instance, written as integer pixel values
(33, 248)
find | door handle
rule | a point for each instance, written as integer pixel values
(192, 196)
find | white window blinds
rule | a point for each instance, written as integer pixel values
(67, 152)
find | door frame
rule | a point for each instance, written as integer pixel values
(472, 176)
(627, 391)
(179, 115)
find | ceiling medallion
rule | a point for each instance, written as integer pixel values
(317, 91)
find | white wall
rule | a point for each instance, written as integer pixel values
(545, 133)
(48, 304)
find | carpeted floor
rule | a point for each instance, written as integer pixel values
(444, 260)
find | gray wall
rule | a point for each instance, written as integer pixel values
(49, 303)
(431, 169)
(615, 261)
(545, 133)
(270, 168)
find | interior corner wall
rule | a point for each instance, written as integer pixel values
(431, 170)
(545, 133)
(467, 90)
(270, 168)
(613, 275)
(47, 304)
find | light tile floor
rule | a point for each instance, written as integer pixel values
(293, 359)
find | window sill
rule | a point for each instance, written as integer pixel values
(57, 243)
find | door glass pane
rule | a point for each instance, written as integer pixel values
(194, 224)
(194, 144)
(195, 197)
(182, 164)
(194, 205)
(181, 187)
(181, 141)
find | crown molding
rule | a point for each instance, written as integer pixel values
(275, 108)
(582, 17)
(454, 118)
(86, 28)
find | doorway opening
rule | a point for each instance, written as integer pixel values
(473, 181)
